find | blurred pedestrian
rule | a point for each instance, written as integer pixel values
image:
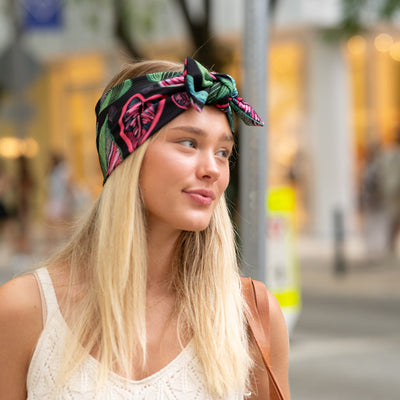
(24, 190)
(6, 212)
(372, 203)
(390, 178)
(59, 204)
(149, 286)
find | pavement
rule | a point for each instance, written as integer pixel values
(346, 343)
(360, 275)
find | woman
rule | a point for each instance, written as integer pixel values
(145, 300)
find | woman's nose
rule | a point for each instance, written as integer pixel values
(208, 167)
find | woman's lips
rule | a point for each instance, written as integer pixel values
(201, 196)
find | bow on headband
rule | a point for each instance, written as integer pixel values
(130, 112)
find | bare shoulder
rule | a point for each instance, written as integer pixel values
(20, 300)
(277, 319)
(20, 328)
(278, 331)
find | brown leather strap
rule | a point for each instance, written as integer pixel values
(256, 296)
(254, 319)
(262, 303)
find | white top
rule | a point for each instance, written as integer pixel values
(181, 379)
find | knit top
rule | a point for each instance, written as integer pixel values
(181, 379)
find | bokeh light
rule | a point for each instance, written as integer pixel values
(395, 51)
(383, 42)
(12, 147)
(356, 45)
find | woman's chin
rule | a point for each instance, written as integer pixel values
(196, 226)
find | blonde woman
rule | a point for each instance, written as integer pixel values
(145, 301)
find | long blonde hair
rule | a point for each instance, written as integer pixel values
(109, 252)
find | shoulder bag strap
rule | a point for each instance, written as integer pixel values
(256, 296)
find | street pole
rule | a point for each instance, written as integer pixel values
(18, 69)
(253, 143)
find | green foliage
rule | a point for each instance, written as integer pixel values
(389, 8)
(90, 11)
(140, 15)
(352, 22)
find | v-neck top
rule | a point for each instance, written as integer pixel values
(181, 379)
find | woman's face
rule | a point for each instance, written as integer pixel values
(185, 170)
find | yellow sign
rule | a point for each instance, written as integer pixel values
(281, 199)
(282, 265)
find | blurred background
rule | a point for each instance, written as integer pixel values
(333, 162)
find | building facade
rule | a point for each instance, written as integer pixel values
(327, 100)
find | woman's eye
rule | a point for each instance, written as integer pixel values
(188, 143)
(225, 153)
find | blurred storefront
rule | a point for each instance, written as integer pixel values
(74, 86)
(331, 99)
(286, 118)
(60, 122)
(54, 64)
(310, 139)
(327, 101)
(374, 62)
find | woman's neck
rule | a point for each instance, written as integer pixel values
(161, 249)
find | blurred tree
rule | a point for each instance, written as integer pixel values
(207, 48)
(123, 20)
(356, 16)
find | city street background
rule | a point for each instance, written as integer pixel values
(332, 137)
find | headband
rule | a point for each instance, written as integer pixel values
(130, 112)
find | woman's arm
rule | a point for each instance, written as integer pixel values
(20, 328)
(279, 345)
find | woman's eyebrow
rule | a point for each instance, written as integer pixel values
(198, 131)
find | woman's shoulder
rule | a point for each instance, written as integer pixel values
(20, 293)
(21, 289)
(275, 311)
(20, 311)
(20, 329)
